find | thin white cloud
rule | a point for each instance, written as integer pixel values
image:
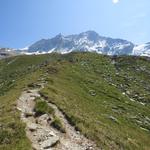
(115, 1)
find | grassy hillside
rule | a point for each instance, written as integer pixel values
(15, 74)
(106, 98)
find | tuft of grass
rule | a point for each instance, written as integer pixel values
(56, 123)
(41, 107)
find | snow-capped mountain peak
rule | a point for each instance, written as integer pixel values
(86, 41)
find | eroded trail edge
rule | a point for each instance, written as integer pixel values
(42, 135)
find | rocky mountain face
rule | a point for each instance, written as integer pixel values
(87, 41)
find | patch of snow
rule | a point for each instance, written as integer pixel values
(121, 46)
(50, 51)
(24, 49)
(141, 50)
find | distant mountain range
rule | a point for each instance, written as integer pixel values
(89, 41)
(7, 52)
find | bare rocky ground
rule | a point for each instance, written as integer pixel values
(42, 135)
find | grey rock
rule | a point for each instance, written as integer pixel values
(43, 120)
(50, 142)
(32, 127)
(113, 119)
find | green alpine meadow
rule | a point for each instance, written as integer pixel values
(106, 99)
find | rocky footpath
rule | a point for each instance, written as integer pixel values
(40, 131)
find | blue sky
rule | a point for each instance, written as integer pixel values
(26, 21)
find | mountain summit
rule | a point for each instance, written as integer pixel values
(87, 41)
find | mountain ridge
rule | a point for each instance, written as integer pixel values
(89, 41)
(86, 41)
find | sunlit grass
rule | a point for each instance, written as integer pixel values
(89, 89)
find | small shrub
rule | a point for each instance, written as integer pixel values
(5, 137)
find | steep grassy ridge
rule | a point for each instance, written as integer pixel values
(106, 98)
(100, 96)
